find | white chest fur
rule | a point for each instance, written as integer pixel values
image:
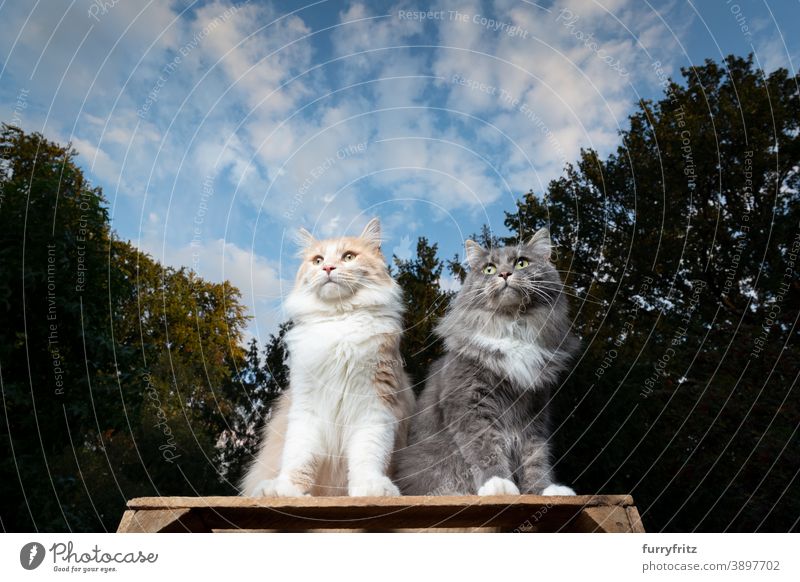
(335, 356)
(509, 347)
(521, 358)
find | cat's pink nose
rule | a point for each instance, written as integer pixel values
(505, 275)
(328, 269)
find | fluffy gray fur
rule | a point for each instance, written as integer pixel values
(484, 410)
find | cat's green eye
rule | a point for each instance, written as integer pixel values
(317, 260)
(347, 257)
(490, 269)
(521, 263)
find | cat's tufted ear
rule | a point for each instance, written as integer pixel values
(303, 239)
(372, 233)
(539, 244)
(475, 253)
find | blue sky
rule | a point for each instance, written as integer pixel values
(217, 128)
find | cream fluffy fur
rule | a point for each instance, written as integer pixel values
(334, 431)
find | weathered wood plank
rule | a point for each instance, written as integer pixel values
(451, 530)
(161, 521)
(635, 519)
(284, 531)
(373, 518)
(391, 502)
(610, 519)
(126, 524)
(520, 513)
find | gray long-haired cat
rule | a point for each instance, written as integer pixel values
(481, 424)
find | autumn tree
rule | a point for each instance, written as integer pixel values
(113, 367)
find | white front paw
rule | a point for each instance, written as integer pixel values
(498, 486)
(278, 488)
(373, 487)
(558, 490)
(264, 488)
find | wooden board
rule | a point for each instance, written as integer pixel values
(517, 513)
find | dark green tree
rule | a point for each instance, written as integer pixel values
(54, 242)
(253, 389)
(678, 249)
(425, 302)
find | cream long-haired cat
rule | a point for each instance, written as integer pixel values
(333, 432)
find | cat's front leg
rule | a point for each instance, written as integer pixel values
(485, 451)
(368, 450)
(536, 470)
(300, 460)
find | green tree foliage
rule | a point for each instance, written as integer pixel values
(425, 303)
(678, 249)
(115, 370)
(254, 387)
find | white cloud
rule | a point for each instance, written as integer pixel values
(769, 48)
(228, 109)
(257, 48)
(100, 163)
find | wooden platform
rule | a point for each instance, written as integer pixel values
(519, 513)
